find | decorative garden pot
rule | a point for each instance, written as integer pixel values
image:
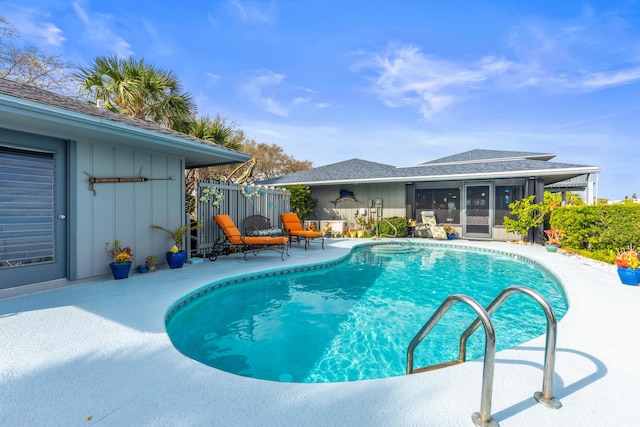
(143, 269)
(629, 276)
(451, 236)
(120, 271)
(551, 247)
(176, 260)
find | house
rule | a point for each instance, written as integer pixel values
(74, 177)
(470, 191)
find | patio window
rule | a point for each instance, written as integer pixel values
(504, 195)
(444, 201)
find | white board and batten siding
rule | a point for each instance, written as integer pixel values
(391, 194)
(125, 210)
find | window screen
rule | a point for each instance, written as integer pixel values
(505, 195)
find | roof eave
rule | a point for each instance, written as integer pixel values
(456, 177)
(71, 125)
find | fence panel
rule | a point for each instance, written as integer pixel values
(239, 201)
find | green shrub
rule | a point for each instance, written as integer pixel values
(301, 202)
(599, 228)
(525, 215)
(399, 222)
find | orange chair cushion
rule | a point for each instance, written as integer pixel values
(235, 237)
(291, 221)
(293, 227)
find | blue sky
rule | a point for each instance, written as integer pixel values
(392, 82)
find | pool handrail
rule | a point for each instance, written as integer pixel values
(395, 229)
(546, 396)
(482, 418)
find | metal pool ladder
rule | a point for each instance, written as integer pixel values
(483, 418)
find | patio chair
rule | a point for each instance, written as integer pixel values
(429, 221)
(293, 228)
(246, 243)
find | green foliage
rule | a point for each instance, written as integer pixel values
(555, 199)
(607, 256)
(361, 220)
(599, 227)
(177, 234)
(302, 204)
(527, 215)
(137, 89)
(398, 221)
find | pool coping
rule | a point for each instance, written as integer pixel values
(97, 353)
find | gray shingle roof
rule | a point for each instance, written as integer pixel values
(484, 155)
(356, 170)
(40, 96)
(346, 170)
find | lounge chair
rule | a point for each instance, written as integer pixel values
(430, 224)
(246, 243)
(293, 228)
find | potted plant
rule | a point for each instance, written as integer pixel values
(150, 262)
(554, 237)
(628, 267)
(327, 230)
(175, 256)
(361, 220)
(451, 232)
(121, 260)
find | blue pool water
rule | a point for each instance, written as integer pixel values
(354, 319)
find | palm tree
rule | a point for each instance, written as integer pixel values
(216, 131)
(136, 89)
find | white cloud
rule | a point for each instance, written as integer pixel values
(35, 28)
(50, 34)
(263, 89)
(615, 78)
(588, 53)
(157, 39)
(99, 29)
(251, 12)
(405, 76)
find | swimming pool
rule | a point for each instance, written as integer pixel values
(353, 319)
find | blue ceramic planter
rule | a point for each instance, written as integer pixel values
(551, 247)
(120, 271)
(629, 276)
(176, 260)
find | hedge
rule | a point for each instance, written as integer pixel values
(599, 227)
(399, 222)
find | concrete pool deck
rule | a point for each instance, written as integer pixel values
(97, 354)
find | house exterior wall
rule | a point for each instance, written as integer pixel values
(124, 210)
(397, 200)
(391, 194)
